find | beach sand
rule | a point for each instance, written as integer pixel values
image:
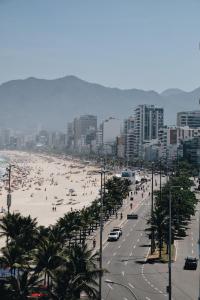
(40, 183)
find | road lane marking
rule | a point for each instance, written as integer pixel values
(138, 240)
(125, 263)
(114, 253)
(147, 298)
(105, 246)
(134, 246)
(125, 299)
(119, 247)
(131, 285)
(108, 262)
(123, 273)
(110, 286)
(131, 254)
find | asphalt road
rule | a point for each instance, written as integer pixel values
(125, 262)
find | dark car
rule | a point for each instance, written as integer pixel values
(132, 216)
(190, 263)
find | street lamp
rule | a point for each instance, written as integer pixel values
(102, 172)
(170, 240)
(121, 284)
(152, 230)
(9, 187)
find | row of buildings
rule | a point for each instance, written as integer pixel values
(143, 135)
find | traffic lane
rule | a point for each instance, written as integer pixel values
(183, 282)
(127, 227)
(135, 274)
(187, 280)
(118, 264)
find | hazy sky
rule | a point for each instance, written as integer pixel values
(149, 44)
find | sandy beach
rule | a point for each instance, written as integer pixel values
(47, 187)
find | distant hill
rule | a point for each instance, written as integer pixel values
(52, 103)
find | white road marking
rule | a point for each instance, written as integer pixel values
(125, 299)
(119, 247)
(125, 263)
(138, 240)
(147, 298)
(141, 234)
(110, 286)
(131, 254)
(108, 262)
(105, 246)
(134, 246)
(123, 273)
(114, 253)
(192, 251)
(131, 285)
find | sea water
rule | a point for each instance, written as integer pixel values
(3, 165)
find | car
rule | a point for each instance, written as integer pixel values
(190, 263)
(113, 236)
(132, 216)
(117, 229)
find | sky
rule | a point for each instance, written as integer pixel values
(145, 44)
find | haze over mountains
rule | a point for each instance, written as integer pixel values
(52, 103)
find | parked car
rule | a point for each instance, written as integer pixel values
(113, 236)
(132, 216)
(117, 229)
(190, 263)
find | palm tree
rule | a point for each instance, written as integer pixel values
(84, 265)
(19, 229)
(12, 257)
(20, 288)
(46, 258)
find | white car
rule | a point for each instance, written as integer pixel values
(117, 229)
(113, 236)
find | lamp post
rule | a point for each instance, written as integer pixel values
(170, 241)
(102, 172)
(199, 255)
(9, 187)
(152, 231)
(121, 284)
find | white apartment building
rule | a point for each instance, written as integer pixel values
(148, 120)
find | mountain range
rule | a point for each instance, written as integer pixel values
(24, 104)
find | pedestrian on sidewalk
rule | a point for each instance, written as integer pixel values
(116, 215)
(94, 242)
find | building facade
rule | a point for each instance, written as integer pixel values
(148, 120)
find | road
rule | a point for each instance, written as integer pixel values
(125, 261)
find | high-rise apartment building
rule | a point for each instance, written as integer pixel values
(129, 138)
(148, 120)
(188, 118)
(87, 123)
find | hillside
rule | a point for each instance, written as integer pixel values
(52, 103)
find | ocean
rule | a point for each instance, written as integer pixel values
(3, 165)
